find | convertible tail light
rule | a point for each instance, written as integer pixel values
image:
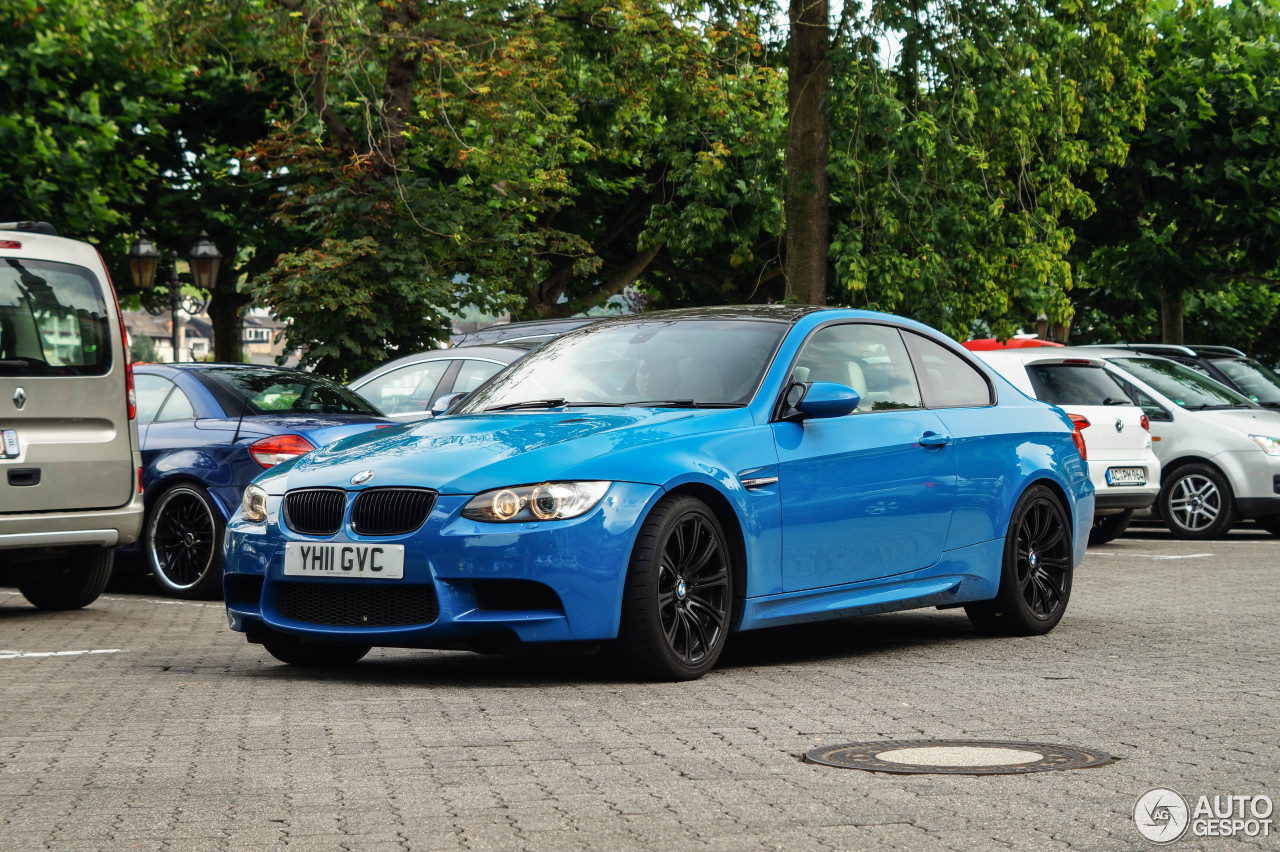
(1145, 423)
(1081, 423)
(269, 452)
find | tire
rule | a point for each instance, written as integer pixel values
(1109, 527)
(1196, 502)
(314, 655)
(679, 593)
(1035, 575)
(70, 582)
(183, 543)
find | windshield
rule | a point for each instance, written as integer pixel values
(53, 320)
(1259, 383)
(1187, 388)
(685, 362)
(267, 391)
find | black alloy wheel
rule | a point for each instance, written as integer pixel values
(1035, 577)
(184, 543)
(679, 594)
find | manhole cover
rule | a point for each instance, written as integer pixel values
(957, 757)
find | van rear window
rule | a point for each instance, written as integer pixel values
(53, 320)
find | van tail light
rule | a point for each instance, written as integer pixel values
(130, 395)
(1081, 423)
(139, 480)
(269, 452)
(1145, 423)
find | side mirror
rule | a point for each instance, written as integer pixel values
(820, 400)
(444, 403)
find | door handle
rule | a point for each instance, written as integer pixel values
(932, 440)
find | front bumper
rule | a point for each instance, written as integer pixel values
(557, 581)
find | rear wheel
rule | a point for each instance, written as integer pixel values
(70, 582)
(1035, 577)
(297, 652)
(1196, 502)
(1109, 527)
(183, 543)
(679, 594)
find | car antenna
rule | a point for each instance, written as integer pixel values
(243, 408)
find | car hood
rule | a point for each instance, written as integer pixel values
(465, 454)
(1251, 421)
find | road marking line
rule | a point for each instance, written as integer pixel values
(157, 601)
(1158, 555)
(12, 655)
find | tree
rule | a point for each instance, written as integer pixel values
(958, 171)
(808, 140)
(1195, 211)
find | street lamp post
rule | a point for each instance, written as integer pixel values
(203, 260)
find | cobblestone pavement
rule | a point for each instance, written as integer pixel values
(144, 723)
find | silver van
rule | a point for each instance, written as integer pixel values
(70, 484)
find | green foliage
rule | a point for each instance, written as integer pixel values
(1194, 216)
(81, 107)
(955, 174)
(143, 348)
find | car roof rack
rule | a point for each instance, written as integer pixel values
(1220, 350)
(1154, 348)
(33, 227)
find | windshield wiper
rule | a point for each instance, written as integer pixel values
(1110, 401)
(557, 402)
(679, 403)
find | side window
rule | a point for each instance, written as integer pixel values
(151, 392)
(406, 390)
(948, 380)
(473, 374)
(176, 407)
(1151, 408)
(871, 359)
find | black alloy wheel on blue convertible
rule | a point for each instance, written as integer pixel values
(679, 594)
(183, 543)
(1035, 578)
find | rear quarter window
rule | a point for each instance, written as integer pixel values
(1076, 384)
(53, 320)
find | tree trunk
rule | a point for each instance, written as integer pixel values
(225, 304)
(807, 140)
(1171, 311)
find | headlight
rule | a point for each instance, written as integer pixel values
(1270, 446)
(550, 501)
(253, 506)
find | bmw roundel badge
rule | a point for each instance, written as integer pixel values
(362, 477)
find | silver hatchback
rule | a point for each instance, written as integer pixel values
(70, 488)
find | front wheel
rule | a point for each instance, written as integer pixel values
(297, 652)
(679, 593)
(1035, 576)
(1196, 502)
(72, 582)
(183, 543)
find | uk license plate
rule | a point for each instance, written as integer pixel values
(344, 559)
(1126, 476)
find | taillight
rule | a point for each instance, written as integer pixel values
(139, 480)
(10, 244)
(130, 395)
(1080, 422)
(1145, 422)
(269, 452)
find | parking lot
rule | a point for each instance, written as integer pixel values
(144, 723)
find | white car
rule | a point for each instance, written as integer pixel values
(1124, 469)
(1219, 450)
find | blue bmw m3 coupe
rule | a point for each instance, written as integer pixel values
(655, 483)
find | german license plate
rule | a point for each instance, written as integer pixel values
(1126, 476)
(344, 559)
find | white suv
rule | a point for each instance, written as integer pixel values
(70, 467)
(1124, 469)
(1220, 451)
